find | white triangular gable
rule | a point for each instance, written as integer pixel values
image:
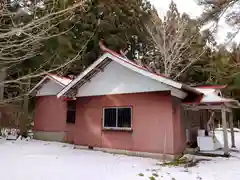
(177, 89)
(51, 88)
(50, 85)
(117, 79)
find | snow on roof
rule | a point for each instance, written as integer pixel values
(210, 89)
(211, 96)
(206, 91)
(109, 54)
(62, 81)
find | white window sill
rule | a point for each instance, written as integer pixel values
(117, 129)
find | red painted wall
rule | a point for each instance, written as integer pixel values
(156, 124)
(153, 129)
(50, 114)
(70, 133)
(179, 131)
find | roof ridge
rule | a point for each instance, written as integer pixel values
(131, 65)
(106, 50)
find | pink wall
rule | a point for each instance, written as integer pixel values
(153, 129)
(50, 114)
(179, 131)
(70, 132)
(156, 123)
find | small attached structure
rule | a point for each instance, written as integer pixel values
(50, 111)
(212, 100)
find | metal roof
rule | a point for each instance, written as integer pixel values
(211, 96)
(113, 56)
(62, 81)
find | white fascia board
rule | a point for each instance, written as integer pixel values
(56, 81)
(146, 73)
(178, 93)
(42, 81)
(84, 73)
(38, 84)
(129, 65)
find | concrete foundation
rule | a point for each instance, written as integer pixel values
(49, 136)
(157, 156)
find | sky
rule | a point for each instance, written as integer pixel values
(188, 6)
(194, 10)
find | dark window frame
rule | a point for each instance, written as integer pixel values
(117, 127)
(71, 112)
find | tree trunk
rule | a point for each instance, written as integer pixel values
(2, 79)
(3, 76)
(24, 120)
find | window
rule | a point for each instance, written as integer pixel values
(71, 112)
(119, 118)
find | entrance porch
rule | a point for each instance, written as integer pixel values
(200, 118)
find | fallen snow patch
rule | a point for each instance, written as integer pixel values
(39, 160)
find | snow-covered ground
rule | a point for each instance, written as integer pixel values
(38, 160)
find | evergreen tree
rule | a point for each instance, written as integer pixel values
(176, 42)
(63, 36)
